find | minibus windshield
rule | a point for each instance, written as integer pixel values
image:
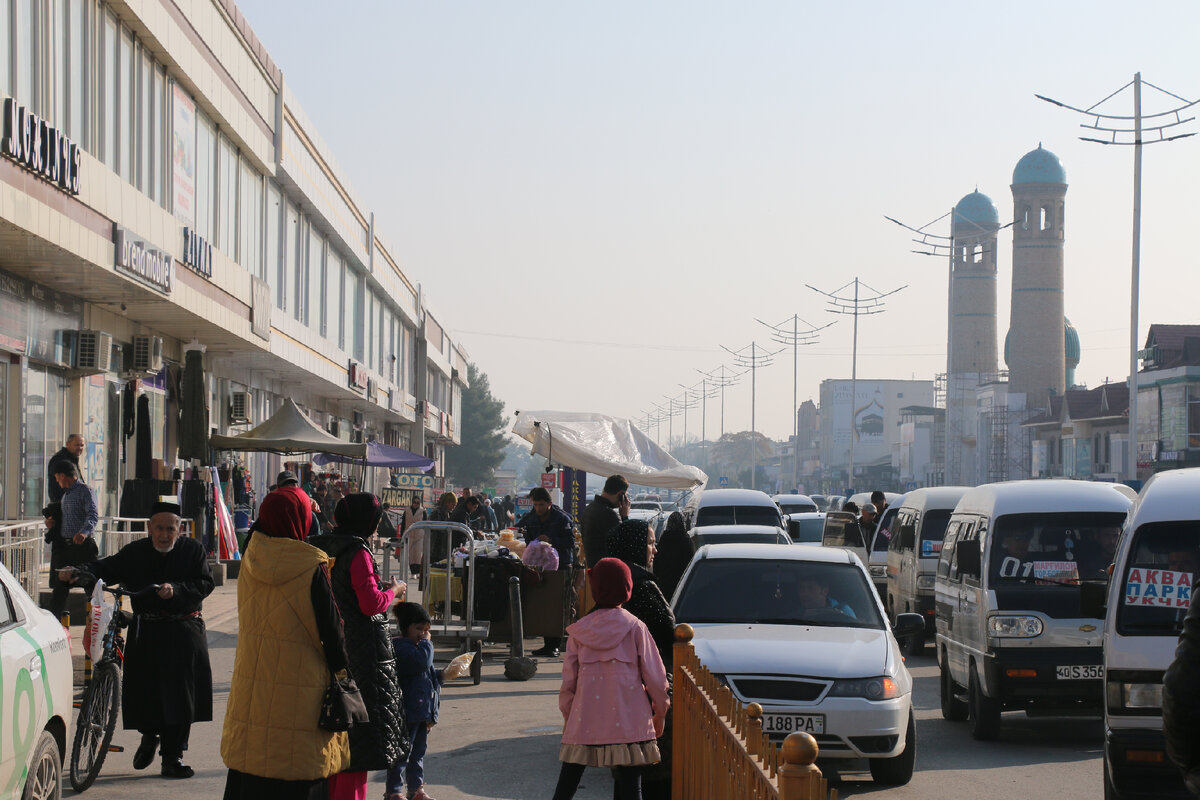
(1157, 579)
(1058, 549)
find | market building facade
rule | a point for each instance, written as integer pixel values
(160, 188)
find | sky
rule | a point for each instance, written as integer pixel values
(597, 196)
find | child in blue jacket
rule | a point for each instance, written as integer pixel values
(419, 683)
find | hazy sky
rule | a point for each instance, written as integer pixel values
(596, 196)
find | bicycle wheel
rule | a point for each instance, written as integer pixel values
(95, 726)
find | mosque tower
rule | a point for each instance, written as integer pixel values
(973, 286)
(1035, 348)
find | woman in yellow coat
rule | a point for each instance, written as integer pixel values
(289, 640)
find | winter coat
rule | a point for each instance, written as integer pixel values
(1181, 701)
(381, 742)
(419, 681)
(628, 542)
(595, 523)
(614, 685)
(279, 672)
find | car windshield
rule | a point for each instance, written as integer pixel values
(738, 515)
(797, 508)
(933, 530)
(1053, 549)
(807, 531)
(781, 592)
(1156, 589)
(749, 537)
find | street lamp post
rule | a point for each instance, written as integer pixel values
(756, 359)
(1116, 128)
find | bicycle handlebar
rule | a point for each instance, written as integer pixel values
(154, 587)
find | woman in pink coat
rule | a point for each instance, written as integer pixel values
(614, 691)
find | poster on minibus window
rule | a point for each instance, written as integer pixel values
(1163, 588)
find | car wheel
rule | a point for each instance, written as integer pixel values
(45, 772)
(953, 708)
(897, 770)
(984, 711)
(1110, 791)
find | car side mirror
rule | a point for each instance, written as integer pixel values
(1092, 598)
(968, 557)
(908, 625)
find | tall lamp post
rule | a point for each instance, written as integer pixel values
(1116, 130)
(720, 381)
(755, 359)
(855, 306)
(795, 337)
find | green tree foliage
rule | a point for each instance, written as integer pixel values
(733, 453)
(473, 463)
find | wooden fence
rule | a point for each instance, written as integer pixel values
(719, 750)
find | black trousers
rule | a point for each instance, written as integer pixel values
(172, 739)
(628, 782)
(65, 553)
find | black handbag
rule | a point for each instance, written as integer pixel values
(343, 706)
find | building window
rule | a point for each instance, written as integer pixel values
(125, 111)
(1047, 218)
(227, 196)
(206, 146)
(369, 327)
(1025, 219)
(334, 278)
(27, 54)
(274, 264)
(76, 53)
(158, 150)
(299, 242)
(6, 46)
(108, 92)
(1193, 414)
(289, 284)
(354, 314)
(250, 207)
(316, 279)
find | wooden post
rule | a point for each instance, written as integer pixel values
(799, 778)
(681, 741)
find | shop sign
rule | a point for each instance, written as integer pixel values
(40, 147)
(197, 253)
(357, 375)
(136, 258)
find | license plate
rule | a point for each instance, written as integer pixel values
(1077, 672)
(794, 723)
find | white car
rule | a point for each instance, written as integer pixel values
(800, 631)
(806, 528)
(746, 534)
(36, 685)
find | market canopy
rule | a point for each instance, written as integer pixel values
(288, 431)
(380, 455)
(604, 445)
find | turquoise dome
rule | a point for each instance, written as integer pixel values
(1071, 347)
(977, 208)
(1039, 166)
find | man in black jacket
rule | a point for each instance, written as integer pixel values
(71, 452)
(1181, 701)
(602, 516)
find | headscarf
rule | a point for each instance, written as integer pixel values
(628, 542)
(285, 514)
(611, 582)
(358, 514)
(448, 499)
(675, 551)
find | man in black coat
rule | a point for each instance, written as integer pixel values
(602, 516)
(168, 680)
(71, 452)
(1181, 701)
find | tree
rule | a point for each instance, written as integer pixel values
(474, 461)
(734, 452)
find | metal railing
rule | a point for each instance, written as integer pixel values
(23, 552)
(719, 749)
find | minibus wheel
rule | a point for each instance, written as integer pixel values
(984, 711)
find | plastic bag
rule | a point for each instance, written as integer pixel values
(458, 667)
(99, 615)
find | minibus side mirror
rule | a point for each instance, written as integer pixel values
(968, 557)
(1092, 597)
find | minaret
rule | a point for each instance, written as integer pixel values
(1036, 348)
(973, 286)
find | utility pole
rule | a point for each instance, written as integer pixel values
(720, 382)
(855, 306)
(1116, 130)
(795, 337)
(753, 361)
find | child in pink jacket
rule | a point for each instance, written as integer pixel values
(614, 691)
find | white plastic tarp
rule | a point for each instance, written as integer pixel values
(604, 445)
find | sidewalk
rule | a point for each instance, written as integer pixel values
(495, 740)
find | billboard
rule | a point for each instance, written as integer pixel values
(867, 419)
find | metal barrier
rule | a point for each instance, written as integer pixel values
(439, 595)
(719, 749)
(22, 551)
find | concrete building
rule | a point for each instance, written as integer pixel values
(161, 185)
(1082, 434)
(1034, 347)
(869, 421)
(1168, 407)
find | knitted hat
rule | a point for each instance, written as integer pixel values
(611, 582)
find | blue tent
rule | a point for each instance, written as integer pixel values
(379, 455)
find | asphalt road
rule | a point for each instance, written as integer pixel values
(500, 740)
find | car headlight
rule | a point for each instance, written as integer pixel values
(1012, 627)
(881, 688)
(1134, 695)
(926, 582)
(877, 571)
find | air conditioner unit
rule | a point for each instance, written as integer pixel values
(239, 407)
(94, 352)
(147, 353)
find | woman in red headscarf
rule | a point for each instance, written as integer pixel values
(614, 721)
(290, 641)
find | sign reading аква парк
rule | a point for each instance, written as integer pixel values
(40, 147)
(134, 257)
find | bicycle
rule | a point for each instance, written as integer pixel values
(101, 698)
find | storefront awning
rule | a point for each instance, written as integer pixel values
(288, 431)
(380, 455)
